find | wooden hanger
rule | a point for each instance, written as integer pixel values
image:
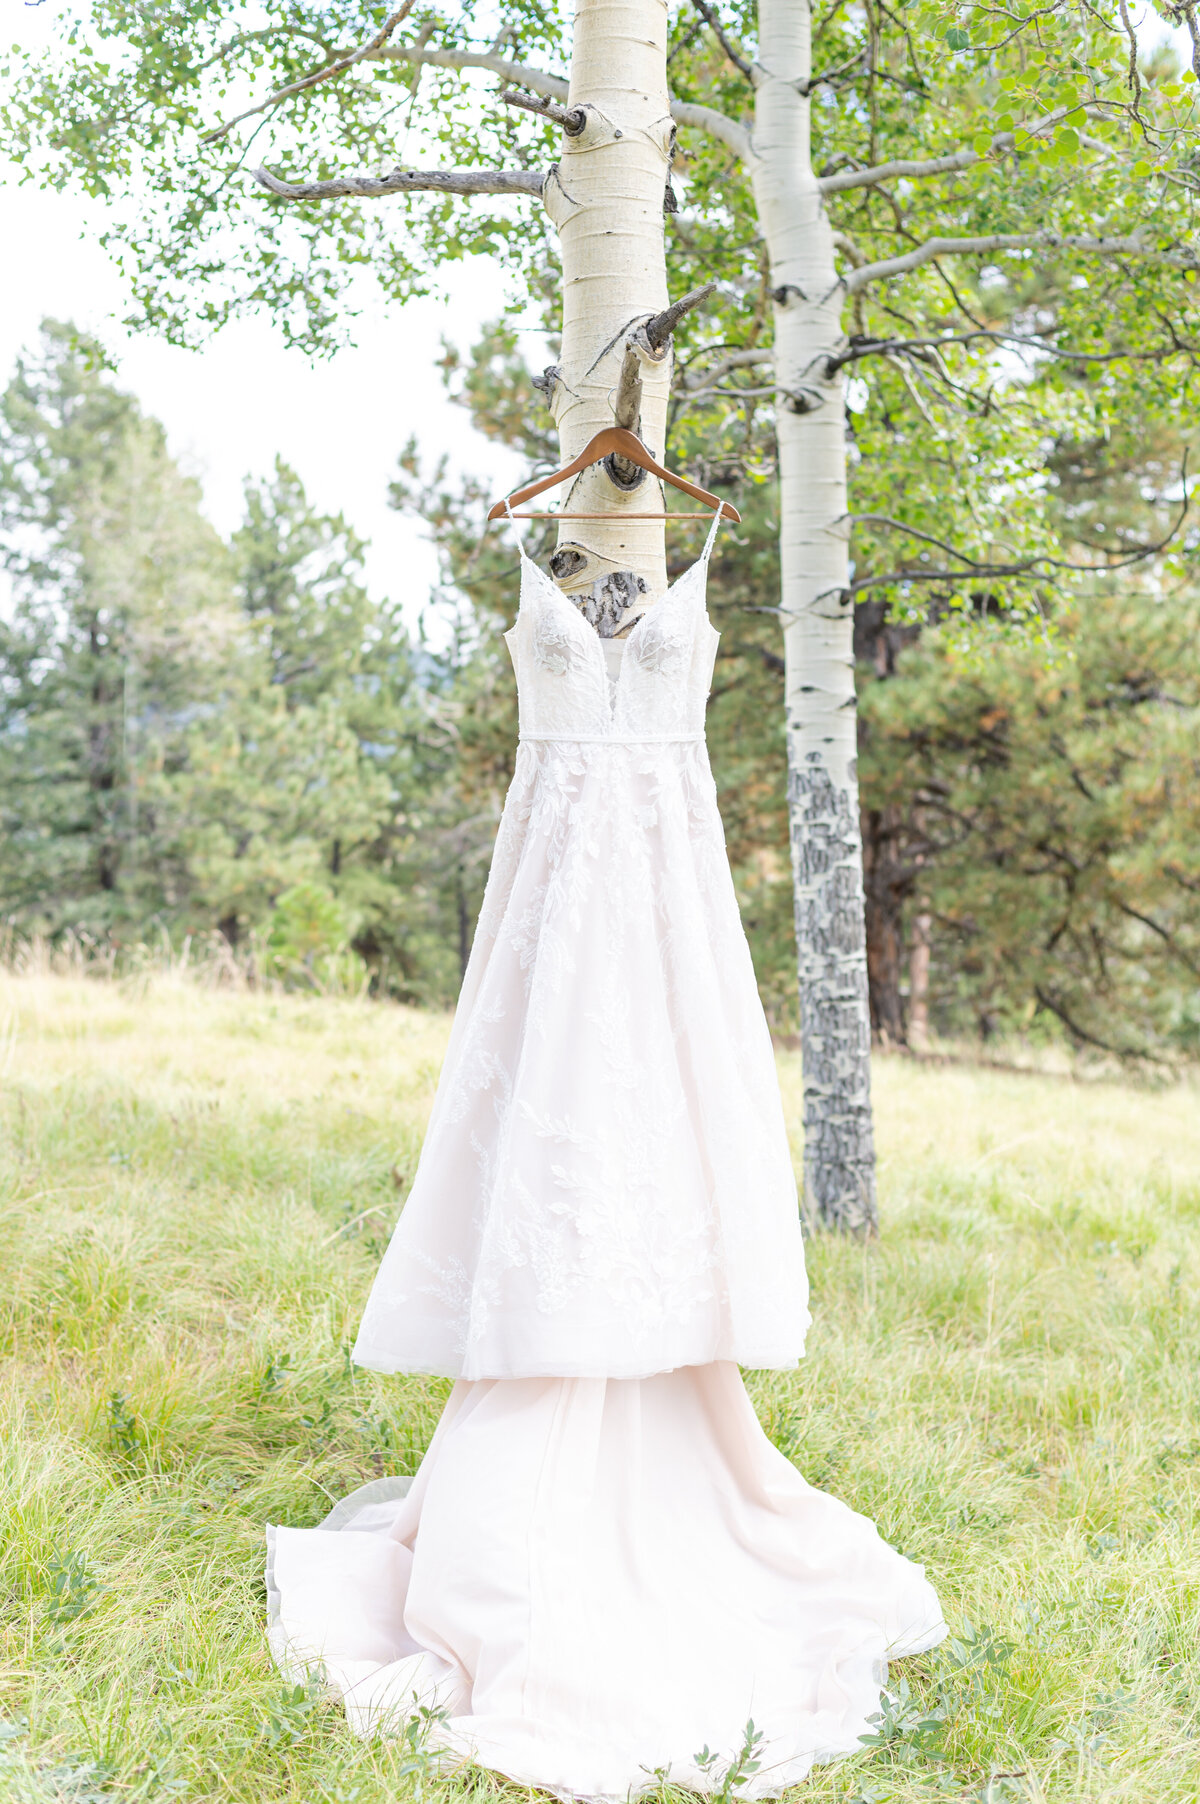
(614, 439)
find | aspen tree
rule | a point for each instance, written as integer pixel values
(1080, 97)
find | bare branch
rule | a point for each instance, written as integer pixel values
(518, 74)
(1133, 79)
(802, 398)
(953, 163)
(950, 164)
(572, 119)
(325, 73)
(408, 181)
(239, 38)
(716, 124)
(660, 328)
(647, 342)
(752, 71)
(735, 360)
(1059, 1008)
(860, 347)
(627, 403)
(830, 78)
(684, 112)
(1186, 14)
(699, 118)
(1181, 256)
(978, 568)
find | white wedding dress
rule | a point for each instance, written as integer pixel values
(603, 1571)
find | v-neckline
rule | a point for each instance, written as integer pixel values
(610, 682)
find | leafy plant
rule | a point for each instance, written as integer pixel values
(73, 1587)
(309, 941)
(419, 1760)
(286, 1720)
(964, 1670)
(125, 1437)
(741, 1768)
(906, 1725)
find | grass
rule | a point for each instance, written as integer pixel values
(194, 1189)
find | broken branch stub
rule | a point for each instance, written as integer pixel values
(648, 344)
(572, 119)
(659, 329)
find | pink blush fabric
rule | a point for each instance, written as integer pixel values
(596, 1579)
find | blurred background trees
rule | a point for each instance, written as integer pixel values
(203, 738)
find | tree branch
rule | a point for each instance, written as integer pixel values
(974, 567)
(1133, 79)
(699, 118)
(324, 73)
(1176, 257)
(648, 341)
(1088, 1039)
(1186, 13)
(258, 37)
(1169, 940)
(518, 74)
(660, 328)
(735, 359)
(861, 346)
(684, 112)
(752, 71)
(830, 78)
(408, 181)
(572, 119)
(951, 164)
(716, 124)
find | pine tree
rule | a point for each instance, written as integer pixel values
(122, 626)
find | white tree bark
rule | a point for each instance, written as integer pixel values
(605, 197)
(606, 200)
(839, 1157)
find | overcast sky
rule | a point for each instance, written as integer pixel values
(230, 407)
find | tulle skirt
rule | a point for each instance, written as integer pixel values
(598, 1584)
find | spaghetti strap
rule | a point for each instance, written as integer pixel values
(525, 557)
(712, 537)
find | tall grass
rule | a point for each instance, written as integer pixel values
(195, 1185)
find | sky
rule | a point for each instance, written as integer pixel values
(231, 406)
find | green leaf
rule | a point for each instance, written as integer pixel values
(957, 38)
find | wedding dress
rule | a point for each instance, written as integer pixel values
(603, 1571)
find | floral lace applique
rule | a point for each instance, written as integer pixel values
(606, 1185)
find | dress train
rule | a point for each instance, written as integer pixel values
(592, 1581)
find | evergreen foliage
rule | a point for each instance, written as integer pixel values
(1019, 418)
(197, 736)
(1032, 779)
(190, 731)
(1046, 811)
(118, 643)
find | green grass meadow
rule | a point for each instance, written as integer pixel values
(195, 1187)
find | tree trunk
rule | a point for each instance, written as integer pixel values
(606, 200)
(918, 982)
(839, 1150)
(886, 882)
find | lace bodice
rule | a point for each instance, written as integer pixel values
(660, 686)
